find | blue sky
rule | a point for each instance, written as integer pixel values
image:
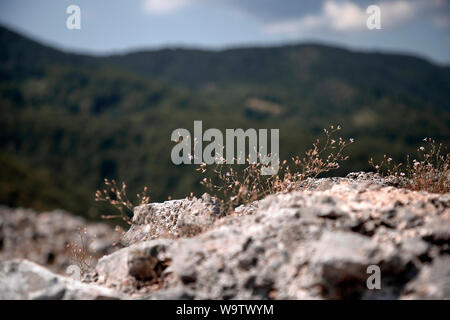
(420, 27)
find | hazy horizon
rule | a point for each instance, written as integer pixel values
(417, 27)
(182, 46)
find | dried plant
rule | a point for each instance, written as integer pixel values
(80, 253)
(238, 185)
(430, 173)
(321, 158)
(117, 197)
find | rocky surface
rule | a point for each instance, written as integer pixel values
(43, 238)
(174, 218)
(21, 279)
(322, 242)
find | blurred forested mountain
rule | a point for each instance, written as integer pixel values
(68, 120)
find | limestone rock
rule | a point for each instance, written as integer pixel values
(173, 218)
(43, 237)
(317, 242)
(138, 263)
(433, 282)
(25, 280)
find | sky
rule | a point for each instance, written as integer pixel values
(419, 27)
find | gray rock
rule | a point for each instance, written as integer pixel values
(438, 230)
(43, 237)
(312, 243)
(433, 282)
(173, 218)
(340, 262)
(25, 280)
(416, 247)
(143, 261)
(339, 255)
(179, 293)
(408, 219)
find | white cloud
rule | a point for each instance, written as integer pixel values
(343, 15)
(335, 15)
(165, 6)
(348, 16)
(398, 12)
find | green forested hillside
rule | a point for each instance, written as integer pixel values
(68, 121)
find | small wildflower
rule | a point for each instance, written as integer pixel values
(246, 184)
(430, 173)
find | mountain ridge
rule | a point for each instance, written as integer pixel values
(199, 48)
(69, 121)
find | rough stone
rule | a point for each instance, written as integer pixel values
(186, 217)
(315, 242)
(22, 279)
(433, 282)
